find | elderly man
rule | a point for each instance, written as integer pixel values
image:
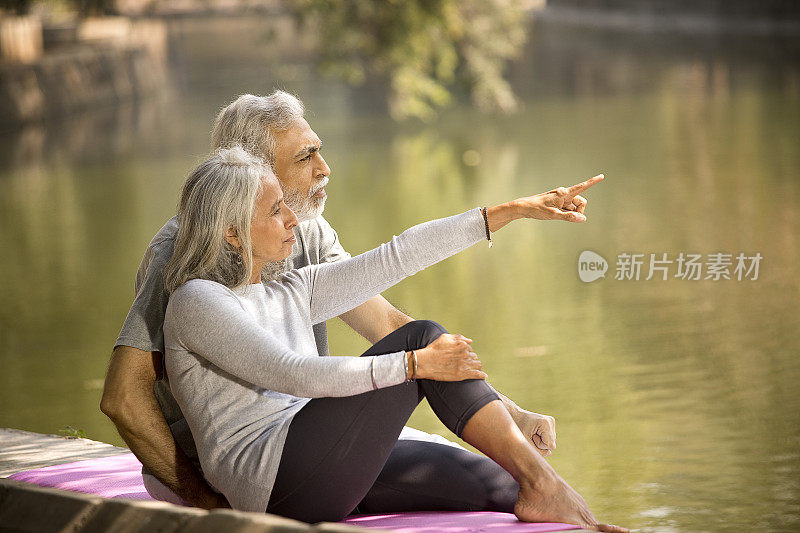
(137, 396)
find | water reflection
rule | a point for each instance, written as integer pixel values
(659, 385)
(676, 400)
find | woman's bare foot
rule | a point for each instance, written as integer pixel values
(553, 500)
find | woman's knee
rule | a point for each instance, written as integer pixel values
(415, 335)
(421, 333)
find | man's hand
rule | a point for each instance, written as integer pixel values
(214, 500)
(540, 429)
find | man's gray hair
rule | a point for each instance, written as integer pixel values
(250, 120)
(221, 193)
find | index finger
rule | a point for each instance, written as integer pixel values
(579, 188)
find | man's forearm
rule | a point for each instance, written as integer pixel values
(129, 402)
(375, 318)
(397, 319)
(512, 408)
(153, 444)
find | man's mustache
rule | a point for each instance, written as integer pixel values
(315, 190)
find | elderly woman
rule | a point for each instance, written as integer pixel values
(282, 430)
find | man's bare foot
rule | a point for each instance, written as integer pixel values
(553, 500)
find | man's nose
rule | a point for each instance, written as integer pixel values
(323, 169)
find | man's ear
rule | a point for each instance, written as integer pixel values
(232, 237)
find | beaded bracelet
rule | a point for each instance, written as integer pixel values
(486, 223)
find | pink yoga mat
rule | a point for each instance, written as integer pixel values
(451, 522)
(120, 476)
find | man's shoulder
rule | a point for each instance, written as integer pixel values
(316, 228)
(318, 243)
(162, 245)
(167, 233)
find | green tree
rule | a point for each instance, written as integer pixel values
(425, 49)
(82, 7)
(87, 8)
(18, 7)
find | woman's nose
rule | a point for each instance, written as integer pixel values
(291, 220)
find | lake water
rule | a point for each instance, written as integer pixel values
(677, 400)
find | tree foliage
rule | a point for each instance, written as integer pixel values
(18, 7)
(82, 7)
(425, 49)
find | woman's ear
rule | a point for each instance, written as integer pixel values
(232, 237)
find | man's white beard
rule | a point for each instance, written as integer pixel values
(306, 207)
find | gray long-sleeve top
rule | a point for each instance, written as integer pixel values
(241, 363)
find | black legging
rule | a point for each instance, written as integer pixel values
(343, 453)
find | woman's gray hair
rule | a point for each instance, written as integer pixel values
(250, 120)
(219, 194)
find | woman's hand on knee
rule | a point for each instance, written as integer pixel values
(449, 358)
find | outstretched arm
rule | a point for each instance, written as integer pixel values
(128, 400)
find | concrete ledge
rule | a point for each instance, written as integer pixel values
(33, 509)
(136, 515)
(26, 507)
(228, 520)
(29, 508)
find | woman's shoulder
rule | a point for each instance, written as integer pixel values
(201, 285)
(196, 291)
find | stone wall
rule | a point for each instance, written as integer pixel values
(20, 39)
(739, 17)
(111, 61)
(740, 9)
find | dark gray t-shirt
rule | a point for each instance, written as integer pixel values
(317, 242)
